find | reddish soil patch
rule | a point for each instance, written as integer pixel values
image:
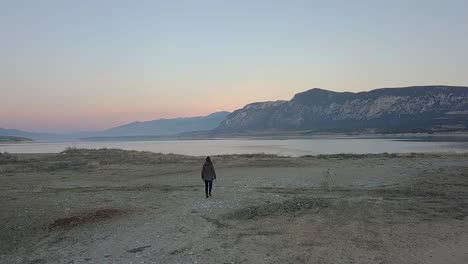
(97, 216)
(106, 213)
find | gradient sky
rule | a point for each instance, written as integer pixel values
(89, 65)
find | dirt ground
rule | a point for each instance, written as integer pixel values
(111, 206)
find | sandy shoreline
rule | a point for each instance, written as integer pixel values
(110, 206)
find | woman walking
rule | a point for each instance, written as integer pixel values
(208, 174)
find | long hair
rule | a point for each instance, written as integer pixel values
(208, 159)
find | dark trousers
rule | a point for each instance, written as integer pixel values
(208, 187)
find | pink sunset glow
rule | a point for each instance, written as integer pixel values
(92, 65)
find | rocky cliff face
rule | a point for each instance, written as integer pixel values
(422, 107)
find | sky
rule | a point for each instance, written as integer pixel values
(89, 65)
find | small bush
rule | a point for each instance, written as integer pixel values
(7, 158)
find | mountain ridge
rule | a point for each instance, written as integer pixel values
(402, 109)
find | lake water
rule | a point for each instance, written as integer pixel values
(289, 147)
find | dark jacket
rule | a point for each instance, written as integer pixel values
(208, 172)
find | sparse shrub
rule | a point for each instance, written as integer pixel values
(7, 158)
(390, 155)
(69, 150)
(328, 181)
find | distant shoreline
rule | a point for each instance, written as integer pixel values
(281, 145)
(436, 137)
(14, 140)
(172, 157)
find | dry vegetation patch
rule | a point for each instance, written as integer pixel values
(293, 207)
(117, 156)
(94, 217)
(7, 158)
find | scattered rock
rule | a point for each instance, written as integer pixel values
(138, 249)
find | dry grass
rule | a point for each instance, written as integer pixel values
(78, 159)
(343, 156)
(117, 156)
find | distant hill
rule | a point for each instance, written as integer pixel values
(154, 129)
(9, 139)
(387, 110)
(30, 135)
(162, 127)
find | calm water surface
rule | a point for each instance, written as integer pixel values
(290, 147)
